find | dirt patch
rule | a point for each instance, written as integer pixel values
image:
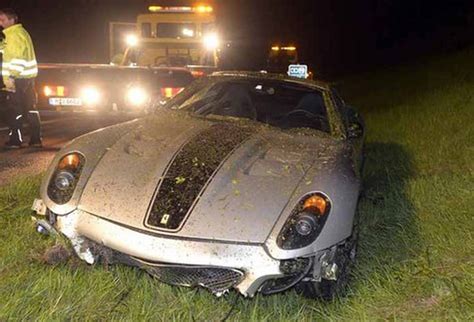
(428, 302)
(56, 255)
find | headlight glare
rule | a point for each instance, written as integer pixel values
(48, 91)
(137, 96)
(90, 95)
(132, 40)
(211, 41)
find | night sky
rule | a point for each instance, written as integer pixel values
(334, 37)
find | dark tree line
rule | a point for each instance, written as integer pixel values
(335, 37)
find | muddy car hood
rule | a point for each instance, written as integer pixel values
(240, 201)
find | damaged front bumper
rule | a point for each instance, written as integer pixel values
(215, 265)
(248, 265)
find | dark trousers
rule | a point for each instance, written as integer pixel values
(3, 108)
(21, 106)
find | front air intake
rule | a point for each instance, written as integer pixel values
(215, 279)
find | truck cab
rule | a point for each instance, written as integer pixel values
(280, 57)
(174, 37)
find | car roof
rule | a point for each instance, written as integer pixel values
(320, 84)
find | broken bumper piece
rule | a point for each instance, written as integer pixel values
(217, 266)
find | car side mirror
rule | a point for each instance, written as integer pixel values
(355, 131)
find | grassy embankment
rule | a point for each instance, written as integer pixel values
(417, 248)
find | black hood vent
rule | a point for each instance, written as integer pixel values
(190, 171)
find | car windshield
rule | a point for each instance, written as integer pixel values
(278, 103)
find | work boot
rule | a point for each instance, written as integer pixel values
(15, 141)
(36, 143)
(12, 145)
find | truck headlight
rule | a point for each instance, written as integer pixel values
(137, 96)
(64, 180)
(90, 95)
(211, 41)
(305, 223)
(131, 40)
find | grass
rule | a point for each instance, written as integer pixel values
(416, 252)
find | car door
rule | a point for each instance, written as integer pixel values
(355, 128)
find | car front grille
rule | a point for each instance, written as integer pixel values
(215, 279)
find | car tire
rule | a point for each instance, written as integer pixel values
(328, 290)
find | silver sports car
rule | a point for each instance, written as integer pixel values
(244, 180)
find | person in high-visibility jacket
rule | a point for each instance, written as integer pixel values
(19, 70)
(3, 94)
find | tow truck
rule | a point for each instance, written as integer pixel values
(284, 59)
(170, 37)
(279, 57)
(151, 60)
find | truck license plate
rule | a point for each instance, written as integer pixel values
(65, 101)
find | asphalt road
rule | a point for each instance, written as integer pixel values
(58, 129)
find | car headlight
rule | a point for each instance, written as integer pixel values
(48, 91)
(305, 223)
(90, 96)
(137, 96)
(211, 41)
(64, 180)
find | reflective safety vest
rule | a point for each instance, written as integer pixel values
(19, 60)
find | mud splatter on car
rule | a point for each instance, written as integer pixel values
(244, 180)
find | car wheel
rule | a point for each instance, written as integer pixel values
(330, 289)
